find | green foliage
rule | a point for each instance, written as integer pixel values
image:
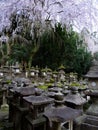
(82, 61)
(8, 81)
(59, 46)
(46, 70)
(22, 45)
(43, 87)
(51, 80)
(20, 53)
(55, 47)
(51, 50)
(78, 85)
(61, 67)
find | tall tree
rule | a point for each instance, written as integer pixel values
(60, 46)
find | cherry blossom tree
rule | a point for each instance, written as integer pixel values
(79, 13)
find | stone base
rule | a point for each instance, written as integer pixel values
(31, 124)
(86, 122)
(86, 126)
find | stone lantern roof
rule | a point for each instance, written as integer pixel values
(93, 72)
(59, 112)
(75, 99)
(62, 114)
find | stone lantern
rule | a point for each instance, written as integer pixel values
(47, 73)
(4, 71)
(36, 72)
(73, 77)
(93, 109)
(1, 73)
(92, 76)
(89, 121)
(74, 99)
(32, 72)
(59, 115)
(44, 74)
(37, 105)
(61, 73)
(16, 69)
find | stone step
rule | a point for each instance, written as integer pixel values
(92, 121)
(86, 126)
(92, 117)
